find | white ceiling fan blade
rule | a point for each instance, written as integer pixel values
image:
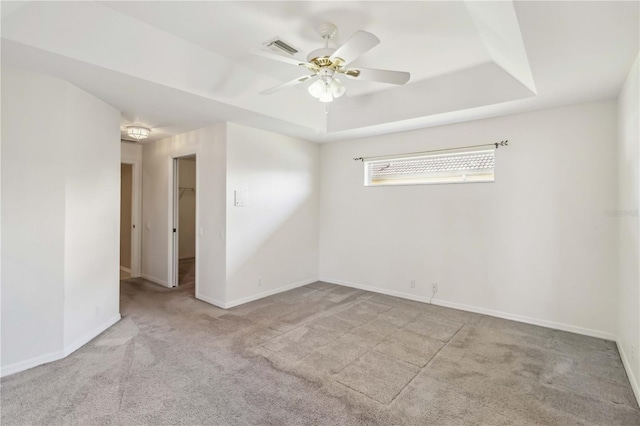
(288, 84)
(382, 76)
(276, 57)
(358, 44)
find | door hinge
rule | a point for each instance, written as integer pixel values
(174, 229)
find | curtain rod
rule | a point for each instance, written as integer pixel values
(496, 144)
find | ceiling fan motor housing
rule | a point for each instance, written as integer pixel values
(325, 52)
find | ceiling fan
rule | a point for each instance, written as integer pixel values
(326, 63)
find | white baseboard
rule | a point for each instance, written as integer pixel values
(90, 335)
(528, 320)
(242, 301)
(123, 269)
(30, 363)
(377, 290)
(266, 293)
(214, 302)
(55, 356)
(499, 314)
(632, 379)
(155, 280)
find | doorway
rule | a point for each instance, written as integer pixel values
(184, 228)
(126, 219)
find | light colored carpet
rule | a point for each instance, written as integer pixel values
(187, 274)
(321, 355)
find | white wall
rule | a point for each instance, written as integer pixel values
(535, 245)
(92, 218)
(60, 215)
(130, 152)
(33, 201)
(272, 242)
(209, 145)
(187, 207)
(274, 237)
(626, 216)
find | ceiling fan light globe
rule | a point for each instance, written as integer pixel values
(337, 89)
(326, 97)
(316, 89)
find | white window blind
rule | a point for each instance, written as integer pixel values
(457, 167)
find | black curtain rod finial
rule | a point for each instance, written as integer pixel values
(358, 159)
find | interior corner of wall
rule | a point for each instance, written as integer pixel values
(495, 23)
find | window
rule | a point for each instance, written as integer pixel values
(457, 167)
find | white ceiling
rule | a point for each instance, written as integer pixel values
(178, 66)
(232, 28)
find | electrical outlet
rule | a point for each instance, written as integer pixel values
(412, 284)
(434, 287)
(260, 282)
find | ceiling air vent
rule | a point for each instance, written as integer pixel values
(279, 45)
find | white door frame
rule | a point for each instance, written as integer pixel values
(136, 216)
(175, 223)
(172, 207)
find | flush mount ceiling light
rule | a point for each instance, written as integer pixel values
(326, 63)
(138, 133)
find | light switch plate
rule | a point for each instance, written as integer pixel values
(241, 195)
